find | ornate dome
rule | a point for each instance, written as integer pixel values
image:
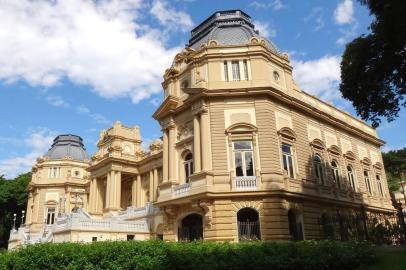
(67, 146)
(229, 27)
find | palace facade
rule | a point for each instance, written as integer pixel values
(244, 154)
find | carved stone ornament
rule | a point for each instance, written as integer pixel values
(155, 146)
(185, 131)
(103, 135)
(170, 211)
(207, 206)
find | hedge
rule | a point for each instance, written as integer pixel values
(159, 255)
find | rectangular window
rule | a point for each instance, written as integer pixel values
(50, 216)
(245, 69)
(367, 182)
(336, 176)
(287, 159)
(236, 70)
(94, 239)
(243, 158)
(226, 71)
(379, 183)
(54, 172)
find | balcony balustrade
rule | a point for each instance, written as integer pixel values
(181, 190)
(245, 183)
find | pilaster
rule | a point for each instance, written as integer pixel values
(196, 143)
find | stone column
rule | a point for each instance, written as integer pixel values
(205, 139)
(172, 154)
(100, 193)
(92, 195)
(28, 212)
(109, 191)
(117, 190)
(151, 186)
(155, 184)
(134, 192)
(138, 190)
(196, 144)
(165, 162)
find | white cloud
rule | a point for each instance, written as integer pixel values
(156, 101)
(275, 5)
(344, 12)
(347, 34)
(319, 77)
(264, 29)
(169, 17)
(100, 44)
(57, 101)
(38, 141)
(316, 15)
(96, 117)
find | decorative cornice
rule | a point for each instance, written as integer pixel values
(169, 104)
(284, 98)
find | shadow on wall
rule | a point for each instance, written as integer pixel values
(329, 180)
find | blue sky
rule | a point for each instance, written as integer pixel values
(77, 66)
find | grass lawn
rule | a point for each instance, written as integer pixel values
(389, 259)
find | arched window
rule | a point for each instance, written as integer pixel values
(351, 177)
(367, 181)
(318, 168)
(379, 184)
(191, 228)
(248, 224)
(188, 163)
(336, 173)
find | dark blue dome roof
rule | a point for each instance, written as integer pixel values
(67, 145)
(229, 27)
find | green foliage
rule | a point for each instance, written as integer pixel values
(373, 68)
(395, 165)
(13, 199)
(159, 255)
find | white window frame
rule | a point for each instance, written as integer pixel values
(367, 180)
(242, 153)
(188, 167)
(379, 184)
(336, 173)
(351, 177)
(288, 158)
(236, 72)
(50, 219)
(318, 169)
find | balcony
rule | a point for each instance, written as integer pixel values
(198, 183)
(245, 183)
(181, 190)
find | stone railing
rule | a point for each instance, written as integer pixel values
(81, 221)
(245, 183)
(132, 212)
(181, 190)
(25, 237)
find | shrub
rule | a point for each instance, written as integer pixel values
(158, 255)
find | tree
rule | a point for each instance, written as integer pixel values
(395, 165)
(13, 199)
(373, 68)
